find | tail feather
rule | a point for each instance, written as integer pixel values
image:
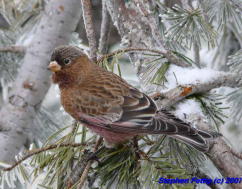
(197, 141)
(166, 123)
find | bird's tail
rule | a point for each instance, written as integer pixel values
(200, 140)
(166, 123)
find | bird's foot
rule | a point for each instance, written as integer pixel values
(94, 155)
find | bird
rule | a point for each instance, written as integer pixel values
(110, 106)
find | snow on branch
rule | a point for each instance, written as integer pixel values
(182, 91)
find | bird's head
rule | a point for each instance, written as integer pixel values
(64, 57)
(68, 63)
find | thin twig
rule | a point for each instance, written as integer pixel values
(204, 13)
(105, 29)
(197, 54)
(86, 170)
(136, 147)
(131, 49)
(186, 4)
(37, 151)
(84, 174)
(89, 26)
(13, 49)
(78, 169)
(167, 55)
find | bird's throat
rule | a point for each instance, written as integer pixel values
(63, 79)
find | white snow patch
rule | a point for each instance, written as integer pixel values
(183, 76)
(188, 107)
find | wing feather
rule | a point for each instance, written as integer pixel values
(130, 101)
(143, 103)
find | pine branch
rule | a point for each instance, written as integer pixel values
(167, 55)
(89, 25)
(197, 55)
(37, 151)
(87, 167)
(187, 26)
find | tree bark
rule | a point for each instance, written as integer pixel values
(89, 25)
(58, 21)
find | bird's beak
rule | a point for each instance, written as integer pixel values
(54, 66)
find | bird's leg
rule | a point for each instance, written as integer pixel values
(139, 153)
(93, 156)
(136, 147)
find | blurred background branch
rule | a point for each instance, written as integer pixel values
(89, 25)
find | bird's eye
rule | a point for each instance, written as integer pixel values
(67, 61)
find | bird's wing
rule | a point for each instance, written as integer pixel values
(138, 110)
(142, 116)
(97, 104)
(129, 111)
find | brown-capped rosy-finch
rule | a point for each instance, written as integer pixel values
(111, 107)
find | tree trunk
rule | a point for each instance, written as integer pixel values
(59, 19)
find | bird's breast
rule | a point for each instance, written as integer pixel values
(69, 102)
(111, 137)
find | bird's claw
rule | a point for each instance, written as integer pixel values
(94, 155)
